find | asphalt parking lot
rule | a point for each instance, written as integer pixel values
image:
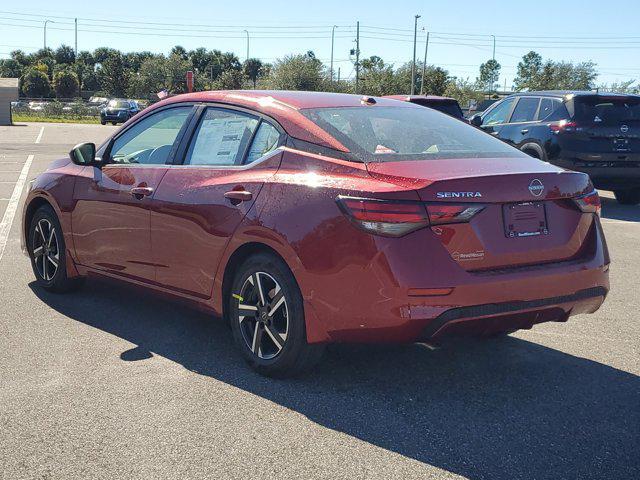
(113, 383)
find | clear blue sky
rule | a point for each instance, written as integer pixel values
(566, 30)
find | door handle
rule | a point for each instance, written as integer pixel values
(493, 133)
(524, 131)
(238, 196)
(139, 192)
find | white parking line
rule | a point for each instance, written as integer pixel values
(12, 206)
(40, 135)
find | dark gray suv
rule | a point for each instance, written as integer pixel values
(594, 133)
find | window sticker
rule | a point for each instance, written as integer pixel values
(218, 140)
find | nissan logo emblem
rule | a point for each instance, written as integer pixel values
(536, 187)
(624, 128)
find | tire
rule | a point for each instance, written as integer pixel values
(278, 322)
(533, 150)
(628, 197)
(102, 122)
(47, 252)
(114, 123)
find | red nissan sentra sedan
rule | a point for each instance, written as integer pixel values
(308, 218)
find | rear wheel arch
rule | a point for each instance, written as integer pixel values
(236, 259)
(533, 149)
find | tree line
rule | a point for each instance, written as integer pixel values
(105, 71)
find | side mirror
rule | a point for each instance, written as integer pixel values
(476, 120)
(83, 154)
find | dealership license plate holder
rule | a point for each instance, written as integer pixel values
(525, 219)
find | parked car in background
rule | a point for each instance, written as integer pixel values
(19, 106)
(37, 106)
(118, 111)
(73, 106)
(306, 218)
(594, 133)
(447, 105)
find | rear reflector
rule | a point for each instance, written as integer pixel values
(589, 203)
(395, 218)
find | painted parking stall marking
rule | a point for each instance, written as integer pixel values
(40, 135)
(12, 207)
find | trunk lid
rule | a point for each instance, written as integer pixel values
(528, 216)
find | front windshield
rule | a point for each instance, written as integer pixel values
(118, 104)
(382, 134)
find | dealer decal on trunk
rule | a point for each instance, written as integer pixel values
(463, 257)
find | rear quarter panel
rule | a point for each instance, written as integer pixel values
(297, 215)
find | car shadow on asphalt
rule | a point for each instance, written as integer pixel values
(613, 210)
(504, 408)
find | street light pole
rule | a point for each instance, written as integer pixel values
(45, 31)
(333, 31)
(494, 47)
(413, 64)
(424, 64)
(247, 32)
(357, 52)
(76, 37)
(493, 72)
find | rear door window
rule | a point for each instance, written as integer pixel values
(266, 140)
(559, 112)
(221, 138)
(546, 107)
(525, 110)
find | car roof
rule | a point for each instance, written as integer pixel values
(413, 98)
(285, 107)
(575, 93)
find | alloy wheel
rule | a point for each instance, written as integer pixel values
(46, 253)
(263, 315)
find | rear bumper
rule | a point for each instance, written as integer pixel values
(114, 118)
(608, 172)
(505, 304)
(488, 319)
(383, 305)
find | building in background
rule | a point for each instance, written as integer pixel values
(8, 94)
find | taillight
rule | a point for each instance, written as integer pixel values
(395, 218)
(385, 217)
(566, 126)
(589, 203)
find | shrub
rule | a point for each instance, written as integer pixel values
(35, 83)
(65, 83)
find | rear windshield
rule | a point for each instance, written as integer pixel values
(449, 107)
(379, 134)
(118, 104)
(607, 110)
